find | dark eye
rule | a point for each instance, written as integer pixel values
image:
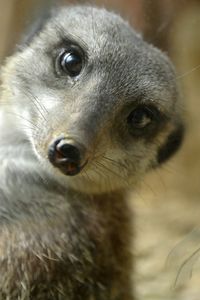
(71, 62)
(143, 117)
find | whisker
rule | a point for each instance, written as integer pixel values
(96, 170)
(45, 111)
(36, 103)
(86, 174)
(188, 72)
(102, 175)
(22, 117)
(114, 162)
(184, 264)
(112, 172)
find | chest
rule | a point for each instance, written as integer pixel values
(80, 249)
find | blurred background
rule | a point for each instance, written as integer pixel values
(167, 205)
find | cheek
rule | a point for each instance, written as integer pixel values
(172, 144)
(135, 159)
(24, 118)
(48, 102)
(46, 99)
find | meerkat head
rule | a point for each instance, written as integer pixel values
(100, 105)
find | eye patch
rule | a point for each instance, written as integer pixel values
(172, 144)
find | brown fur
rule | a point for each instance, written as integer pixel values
(57, 260)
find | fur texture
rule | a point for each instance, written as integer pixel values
(65, 238)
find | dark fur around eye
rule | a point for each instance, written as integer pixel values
(172, 144)
(145, 121)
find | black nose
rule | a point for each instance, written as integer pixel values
(68, 151)
(67, 156)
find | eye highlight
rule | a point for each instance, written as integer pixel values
(70, 62)
(142, 119)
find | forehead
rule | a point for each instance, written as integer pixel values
(107, 40)
(90, 22)
(114, 49)
(92, 28)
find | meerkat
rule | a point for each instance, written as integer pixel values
(87, 107)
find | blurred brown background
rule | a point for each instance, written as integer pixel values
(167, 206)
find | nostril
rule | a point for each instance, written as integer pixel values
(67, 156)
(68, 151)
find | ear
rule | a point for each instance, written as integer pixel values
(172, 144)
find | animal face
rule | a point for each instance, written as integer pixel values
(99, 105)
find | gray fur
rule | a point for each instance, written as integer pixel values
(65, 238)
